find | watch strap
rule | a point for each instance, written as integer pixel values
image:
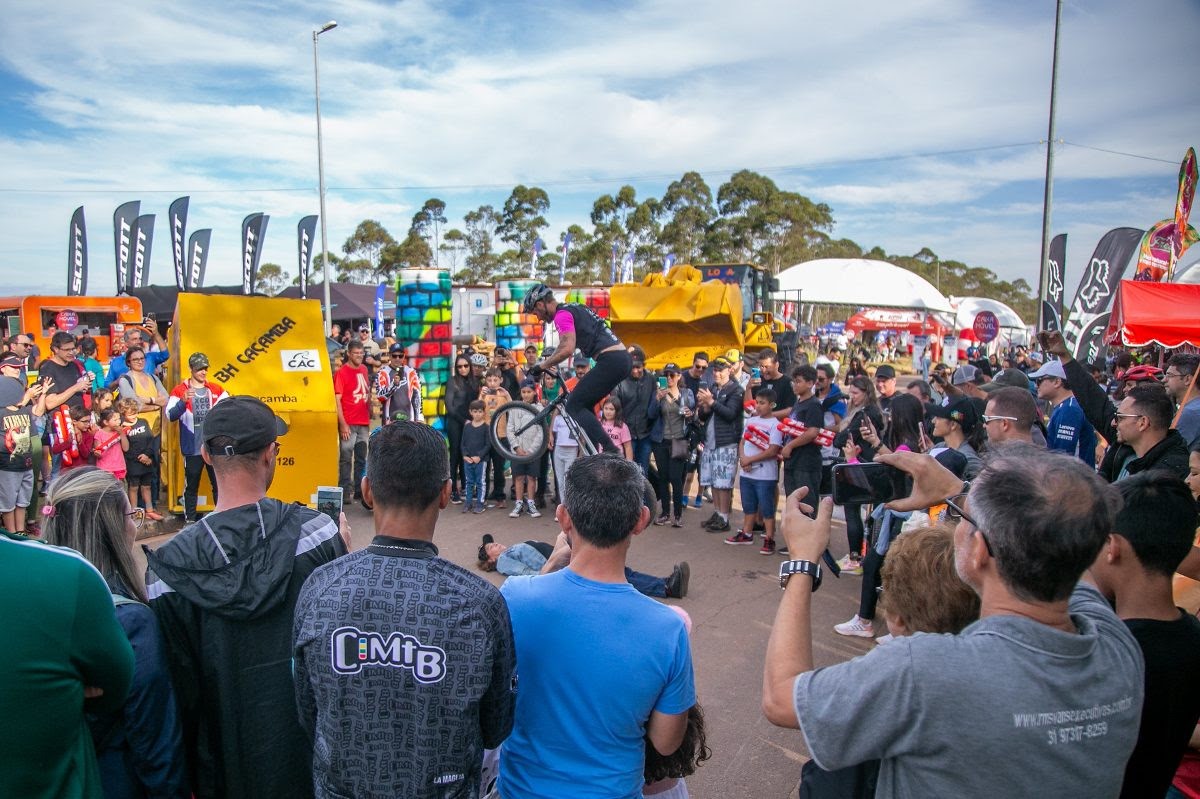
(790, 567)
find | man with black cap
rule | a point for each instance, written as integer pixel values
(189, 404)
(224, 590)
(885, 386)
(398, 387)
(635, 393)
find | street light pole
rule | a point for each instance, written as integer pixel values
(328, 311)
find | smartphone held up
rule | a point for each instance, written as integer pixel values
(866, 483)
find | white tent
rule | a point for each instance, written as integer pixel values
(859, 281)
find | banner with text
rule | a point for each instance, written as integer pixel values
(380, 294)
(1183, 206)
(254, 227)
(198, 257)
(124, 218)
(304, 241)
(1099, 283)
(178, 218)
(1052, 303)
(77, 255)
(143, 241)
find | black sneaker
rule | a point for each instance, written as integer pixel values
(722, 526)
(711, 520)
(677, 583)
(783, 550)
(456, 498)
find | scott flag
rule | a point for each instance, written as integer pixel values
(178, 218)
(1099, 282)
(77, 255)
(198, 257)
(143, 241)
(124, 219)
(304, 238)
(1052, 304)
(254, 227)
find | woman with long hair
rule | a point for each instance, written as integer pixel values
(905, 432)
(671, 416)
(862, 407)
(855, 369)
(460, 390)
(138, 747)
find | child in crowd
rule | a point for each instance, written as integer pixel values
(19, 424)
(525, 474)
(110, 443)
(565, 450)
(494, 395)
(476, 447)
(614, 424)
(141, 459)
(76, 450)
(759, 473)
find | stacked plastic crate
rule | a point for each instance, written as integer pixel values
(423, 325)
(594, 297)
(514, 328)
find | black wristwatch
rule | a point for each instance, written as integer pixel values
(790, 567)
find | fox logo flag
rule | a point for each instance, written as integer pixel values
(1094, 296)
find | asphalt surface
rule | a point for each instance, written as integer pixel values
(732, 599)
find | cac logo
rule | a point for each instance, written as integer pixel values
(300, 360)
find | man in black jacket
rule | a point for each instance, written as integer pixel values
(635, 393)
(224, 591)
(720, 409)
(1145, 439)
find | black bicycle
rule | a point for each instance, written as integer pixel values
(521, 432)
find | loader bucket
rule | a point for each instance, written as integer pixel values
(673, 320)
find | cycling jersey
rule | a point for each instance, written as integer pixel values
(592, 336)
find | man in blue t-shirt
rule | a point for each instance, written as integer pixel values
(599, 666)
(1069, 430)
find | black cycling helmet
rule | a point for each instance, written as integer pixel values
(536, 294)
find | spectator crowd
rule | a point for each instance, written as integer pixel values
(1022, 571)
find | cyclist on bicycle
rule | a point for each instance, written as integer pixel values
(579, 328)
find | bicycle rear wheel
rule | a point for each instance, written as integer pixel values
(516, 433)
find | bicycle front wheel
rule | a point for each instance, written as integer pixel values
(517, 434)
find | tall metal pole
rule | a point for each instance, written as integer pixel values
(1044, 268)
(328, 311)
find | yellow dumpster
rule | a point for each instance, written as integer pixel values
(273, 349)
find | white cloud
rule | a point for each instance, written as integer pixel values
(218, 98)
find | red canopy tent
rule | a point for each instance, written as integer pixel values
(1167, 314)
(915, 322)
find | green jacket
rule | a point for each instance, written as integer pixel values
(61, 635)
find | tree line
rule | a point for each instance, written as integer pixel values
(748, 219)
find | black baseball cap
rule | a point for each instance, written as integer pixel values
(885, 372)
(397, 347)
(961, 410)
(488, 538)
(672, 368)
(197, 361)
(249, 421)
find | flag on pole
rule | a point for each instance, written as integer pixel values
(178, 217)
(613, 271)
(1183, 207)
(668, 262)
(627, 268)
(380, 291)
(77, 264)
(562, 267)
(304, 238)
(537, 253)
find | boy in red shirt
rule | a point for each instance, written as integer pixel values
(352, 389)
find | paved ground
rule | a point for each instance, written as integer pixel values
(732, 601)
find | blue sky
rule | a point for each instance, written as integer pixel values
(900, 116)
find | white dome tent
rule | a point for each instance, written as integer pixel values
(1012, 328)
(861, 282)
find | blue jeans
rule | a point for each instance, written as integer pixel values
(475, 487)
(641, 453)
(645, 584)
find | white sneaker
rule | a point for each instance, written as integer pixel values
(883, 639)
(534, 513)
(860, 628)
(516, 511)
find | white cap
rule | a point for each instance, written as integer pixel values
(1050, 369)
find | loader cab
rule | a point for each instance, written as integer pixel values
(755, 284)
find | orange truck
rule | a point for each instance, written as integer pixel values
(103, 318)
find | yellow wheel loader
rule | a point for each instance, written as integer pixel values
(709, 307)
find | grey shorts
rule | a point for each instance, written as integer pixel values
(16, 489)
(718, 467)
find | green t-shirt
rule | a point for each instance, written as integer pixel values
(61, 635)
